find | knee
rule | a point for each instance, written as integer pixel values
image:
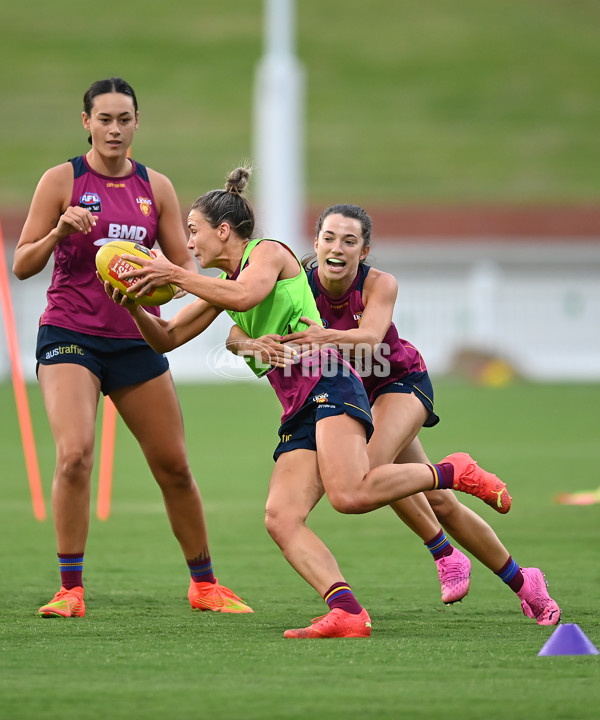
(281, 523)
(348, 502)
(274, 525)
(174, 475)
(75, 466)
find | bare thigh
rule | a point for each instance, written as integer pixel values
(398, 418)
(342, 459)
(151, 411)
(71, 395)
(344, 468)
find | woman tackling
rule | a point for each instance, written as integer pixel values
(356, 304)
(326, 418)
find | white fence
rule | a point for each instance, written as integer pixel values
(535, 304)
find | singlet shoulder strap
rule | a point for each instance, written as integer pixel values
(142, 171)
(363, 271)
(79, 167)
(310, 274)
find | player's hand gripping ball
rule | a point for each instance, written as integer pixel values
(110, 265)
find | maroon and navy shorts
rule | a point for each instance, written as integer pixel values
(341, 394)
(418, 383)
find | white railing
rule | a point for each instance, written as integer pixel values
(537, 305)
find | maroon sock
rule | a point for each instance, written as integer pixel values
(71, 570)
(439, 546)
(340, 596)
(443, 476)
(510, 574)
(201, 569)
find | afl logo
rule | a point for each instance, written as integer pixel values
(90, 201)
(145, 205)
(325, 323)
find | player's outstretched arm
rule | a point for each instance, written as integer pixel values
(250, 288)
(166, 335)
(379, 298)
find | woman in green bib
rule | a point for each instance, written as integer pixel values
(326, 420)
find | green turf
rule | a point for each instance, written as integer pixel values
(437, 101)
(140, 652)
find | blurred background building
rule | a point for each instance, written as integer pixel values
(489, 309)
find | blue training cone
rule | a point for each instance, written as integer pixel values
(568, 639)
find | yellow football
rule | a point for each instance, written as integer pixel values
(110, 265)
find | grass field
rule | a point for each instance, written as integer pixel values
(441, 101)
(140, 652)
(437, 102)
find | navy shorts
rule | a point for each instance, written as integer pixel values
(343, 393)
(116, 362)
(417, 383)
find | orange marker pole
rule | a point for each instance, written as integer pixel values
(107, 453)
(29, 449)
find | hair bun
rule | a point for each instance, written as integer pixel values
(237, 180)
